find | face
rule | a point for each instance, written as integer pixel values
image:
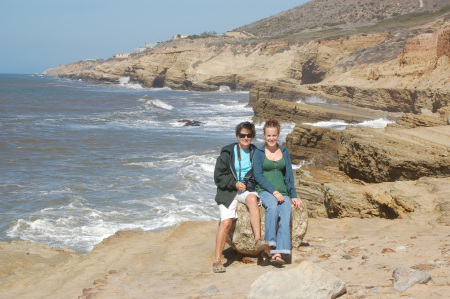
(244, 143)
(271, 135)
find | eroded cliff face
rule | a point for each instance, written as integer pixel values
(398, 60)
(196, 65)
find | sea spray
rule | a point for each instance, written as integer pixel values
(341, 125)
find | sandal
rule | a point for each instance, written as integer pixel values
(261, 245)
(218, 268)
(265, 255)
(277, 260)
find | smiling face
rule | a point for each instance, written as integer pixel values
(271, 135)
(244, 141)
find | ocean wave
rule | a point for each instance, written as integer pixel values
(159, 104)
(341, 125)
(375, 123)
(332, 124)
(125, 82)
(224, 88)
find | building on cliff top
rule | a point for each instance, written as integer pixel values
(121, 55)
(180, 36)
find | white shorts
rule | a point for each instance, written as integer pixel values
(230, 212)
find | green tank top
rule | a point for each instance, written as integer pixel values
(273, 172)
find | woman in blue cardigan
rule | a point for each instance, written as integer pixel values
(274, 175)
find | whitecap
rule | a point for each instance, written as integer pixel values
(159, 104)
(332, 124)
(341, 125)
(315, 100)
(375, 123)
(125, 82)
(224, 88)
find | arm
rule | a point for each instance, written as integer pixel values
(223, 178)
(289, 179)
(258, 172)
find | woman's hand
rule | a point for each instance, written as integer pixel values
(241, 186)
(297, 203)
(278, 196)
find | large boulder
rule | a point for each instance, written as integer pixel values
(241, 236)
(304, 281)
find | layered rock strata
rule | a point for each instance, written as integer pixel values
(300, 113)
(360, 67)
(316, 145)
(373, 155)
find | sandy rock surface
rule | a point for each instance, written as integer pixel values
(177, 263)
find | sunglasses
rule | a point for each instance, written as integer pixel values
(245, 135)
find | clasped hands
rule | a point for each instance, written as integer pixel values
(296, 201)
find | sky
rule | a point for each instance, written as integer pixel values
(36, 35)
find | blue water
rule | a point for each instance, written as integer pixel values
(81, 161)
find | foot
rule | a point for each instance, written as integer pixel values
(261, 245)
(266, 254)
(218, 267)
(277, 260)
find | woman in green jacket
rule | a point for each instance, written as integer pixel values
(233, 176)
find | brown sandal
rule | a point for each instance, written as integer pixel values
(218, 268)
(277, 260)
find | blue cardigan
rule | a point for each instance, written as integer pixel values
(258, 160)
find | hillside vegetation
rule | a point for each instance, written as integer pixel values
(327, 18)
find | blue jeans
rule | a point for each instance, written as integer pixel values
(275, 211)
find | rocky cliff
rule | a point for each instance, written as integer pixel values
(400, 73)
(348, 67)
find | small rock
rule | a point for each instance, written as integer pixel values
(249, 260)
(400, 248)
(365, 257)
(347, 257)
(404, 278)
(210, 290)
(387, 250)
(324, 256)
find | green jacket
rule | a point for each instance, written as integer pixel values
(225, 175)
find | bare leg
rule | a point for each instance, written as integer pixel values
(221, 238)
(255, 218)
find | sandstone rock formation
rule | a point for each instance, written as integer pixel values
(375, 155)
(299, 113)
(241, 236)
(371, 66)
(366, 158)
(318, 144)
(410, 120)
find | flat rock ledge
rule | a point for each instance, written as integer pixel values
(241, 236)
(304, 281)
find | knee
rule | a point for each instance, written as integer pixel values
(271, 211)
(251, 201)
(226, 224)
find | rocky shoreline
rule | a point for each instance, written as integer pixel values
(377, 199)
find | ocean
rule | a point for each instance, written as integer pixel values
(80, 161)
